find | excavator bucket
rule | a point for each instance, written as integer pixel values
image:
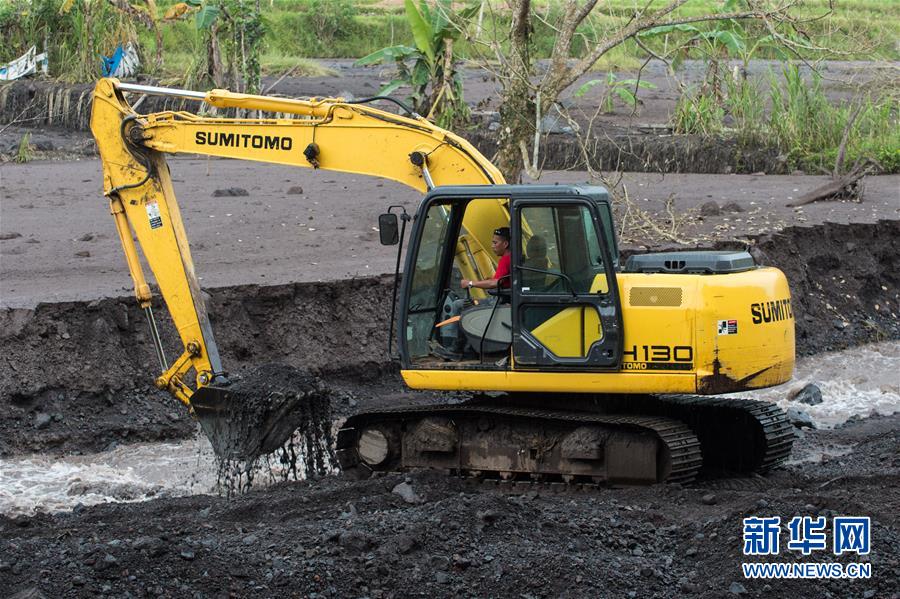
(264, 411)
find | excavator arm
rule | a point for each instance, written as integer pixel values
(330, 134)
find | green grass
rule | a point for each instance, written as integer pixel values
(795, 116)
(859, 30)
(24, 153)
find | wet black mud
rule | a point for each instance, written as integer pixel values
(78, 376)
(430, 535)
(275, 412)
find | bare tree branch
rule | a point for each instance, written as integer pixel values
(573, 73)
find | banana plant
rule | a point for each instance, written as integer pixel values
(625, 89)
(728, 39)
(427, 68)
(234, 28)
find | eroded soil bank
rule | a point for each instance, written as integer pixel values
(77, 376)
(431, 535)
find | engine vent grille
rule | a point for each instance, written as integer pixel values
(655, 296)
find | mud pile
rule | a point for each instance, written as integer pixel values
(78, 376)
(427, 534)
(844, 279)
(275, 412)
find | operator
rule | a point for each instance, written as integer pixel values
(500, 245)
(453, 341)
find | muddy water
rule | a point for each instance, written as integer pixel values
(861, 381)
(142, 471)
(128, 473)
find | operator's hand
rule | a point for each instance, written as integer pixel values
(464, 283)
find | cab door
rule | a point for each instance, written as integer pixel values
(564, 295)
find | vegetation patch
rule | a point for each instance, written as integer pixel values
(792, 113)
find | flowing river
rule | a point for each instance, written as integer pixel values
(862, 381)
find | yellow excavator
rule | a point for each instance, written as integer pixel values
(581, 368)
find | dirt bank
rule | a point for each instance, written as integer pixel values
(437, 536)
(78, 376)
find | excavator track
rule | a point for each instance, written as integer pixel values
(691, 436)
(511, 443)
(736, 435)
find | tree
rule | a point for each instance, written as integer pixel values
(234, 28)
(428, 69)
(525, 98)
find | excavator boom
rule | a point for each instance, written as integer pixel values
(328, 134)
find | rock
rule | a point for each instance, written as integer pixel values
(187, 554)
(688, 587)
(355, 540)
(710, 208)
(404, 544)
(708, 499)
(108, 561)
(555, 122)
(405, 491)
(799, 418)
(29, 593)
(732, 207)
(154, 547)
(441, 577)
(83, 254)
(295, 190)
(87, 237)
(494, 126)
(42, 421)
(231, 192)
(737, 588)
(810, 395)
(10, 235)
(488, 516)
(762, 504)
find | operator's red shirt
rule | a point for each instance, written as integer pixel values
(503, 271)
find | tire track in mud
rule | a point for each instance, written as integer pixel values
(78, 376)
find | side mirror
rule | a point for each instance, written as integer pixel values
(387, 229)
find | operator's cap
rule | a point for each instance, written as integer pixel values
(502, 232)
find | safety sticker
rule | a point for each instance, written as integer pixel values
(728, 327)
(153, 215)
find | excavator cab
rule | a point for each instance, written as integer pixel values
(561, 308)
